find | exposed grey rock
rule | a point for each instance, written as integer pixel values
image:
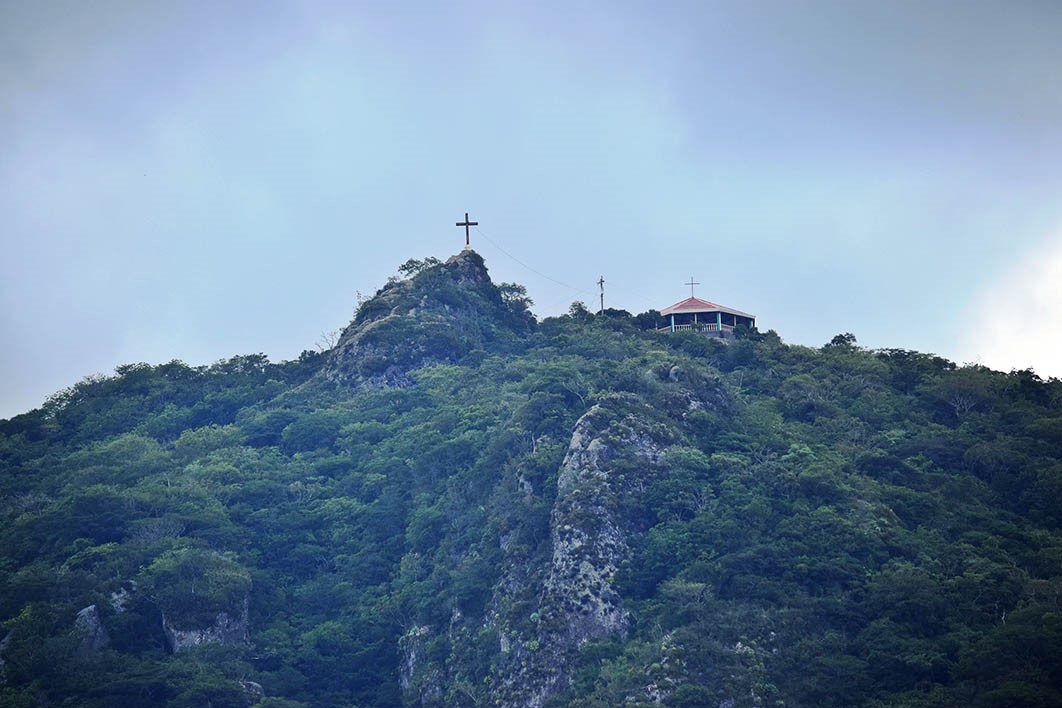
(225, 629)
(121, 597)
(612, 456)
(414, 677)
(438, 316)
(4, 643)
(89, 625)
(411, 645)
(568, 597)
(253, 690)
(589, 536)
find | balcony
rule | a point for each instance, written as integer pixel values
(698, 327)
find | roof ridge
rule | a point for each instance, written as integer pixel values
(696, 302)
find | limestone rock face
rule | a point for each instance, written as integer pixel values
(253, 691)
(439, 315)
(123, 596)
(226, 629)
(415, 676)
(552, 598)
(589, 538)
(4, 643)
(612, 456)
(89, 624)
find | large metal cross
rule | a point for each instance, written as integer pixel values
(466, 223)
(691, 283)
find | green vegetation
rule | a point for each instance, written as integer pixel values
(823, 527)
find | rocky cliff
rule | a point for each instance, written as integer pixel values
(442, 313)
(612, 457)
(89, 627)
(225, 629)
(569, 594)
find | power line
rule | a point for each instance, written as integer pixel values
(536, 272)
(623, 289)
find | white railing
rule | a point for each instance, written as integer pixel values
(698, 327)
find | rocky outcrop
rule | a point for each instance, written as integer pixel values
(549, 602)
(4, 644)
(415, 676)
(123, 596)
(612, 456)
(89, 626)
(226, 629)
(588, 533)
(439, 315)
(253, 691)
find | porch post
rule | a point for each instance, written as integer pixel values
(672, 321)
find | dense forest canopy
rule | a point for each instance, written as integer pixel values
(459, 505)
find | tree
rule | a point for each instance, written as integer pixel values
(413, 266)
(328, 340)
(847, 340)
(193, 585)
(578, 311)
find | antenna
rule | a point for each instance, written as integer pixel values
(601, 284)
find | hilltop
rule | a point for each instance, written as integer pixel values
(459, 505)
(441, 314)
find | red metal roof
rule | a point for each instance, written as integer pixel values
(695, 304)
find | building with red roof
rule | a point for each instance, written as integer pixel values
(700, 315)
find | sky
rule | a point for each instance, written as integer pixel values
(199, 180)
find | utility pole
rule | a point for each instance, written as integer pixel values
(601, 284)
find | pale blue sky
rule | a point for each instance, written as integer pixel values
(197, 180)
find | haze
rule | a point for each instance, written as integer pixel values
(198, 180)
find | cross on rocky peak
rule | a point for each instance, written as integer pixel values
(466, 223)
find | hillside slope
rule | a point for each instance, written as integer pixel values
(459, 506)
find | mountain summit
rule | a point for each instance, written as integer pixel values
(440, 313)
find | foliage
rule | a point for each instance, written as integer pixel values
(826, 526)
(192, 586)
